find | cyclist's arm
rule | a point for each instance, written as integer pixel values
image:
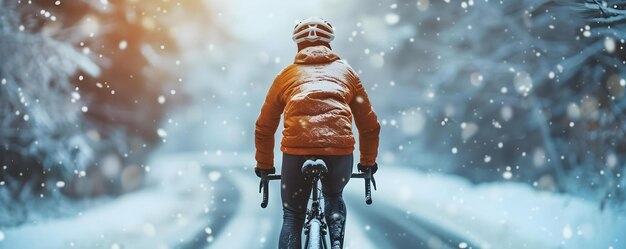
(366, 121)
(266, 126)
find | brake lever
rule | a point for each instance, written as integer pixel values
(263, 180)
(373, 181)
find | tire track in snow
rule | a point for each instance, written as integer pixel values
(228, 198)
(251, 226)
(242, 223)
(395, 228)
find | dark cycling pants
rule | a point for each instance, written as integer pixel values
(296, 191)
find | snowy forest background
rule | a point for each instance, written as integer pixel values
(527, 91)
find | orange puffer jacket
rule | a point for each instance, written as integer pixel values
(319, 94)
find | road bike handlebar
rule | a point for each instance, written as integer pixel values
(367, 176)
(264, 185)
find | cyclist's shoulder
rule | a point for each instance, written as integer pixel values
(344, 65)
(341, 62)
(287, 72)
(288, 68)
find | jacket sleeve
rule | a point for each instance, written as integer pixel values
(366, 121)
(266, 126)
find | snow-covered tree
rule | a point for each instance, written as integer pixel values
(85, 87)
(513, 90)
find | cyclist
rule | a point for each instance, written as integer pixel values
(319, 95)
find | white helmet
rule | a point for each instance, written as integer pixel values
(313, 29)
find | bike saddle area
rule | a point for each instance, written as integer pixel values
(313, 166)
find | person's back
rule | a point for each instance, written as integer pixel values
(319, 95)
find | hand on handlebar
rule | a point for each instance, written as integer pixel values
(366, 168)
(260, 172)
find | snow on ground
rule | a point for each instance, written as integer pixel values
(499, 215)
(161, 215)
(173, 210)
(260, 226)
(251, 221)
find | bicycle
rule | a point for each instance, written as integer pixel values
(315, 229)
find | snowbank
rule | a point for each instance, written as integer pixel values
(167, 213)
(500, 215)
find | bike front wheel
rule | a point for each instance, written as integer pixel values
(315, 239)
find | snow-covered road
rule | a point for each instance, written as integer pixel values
(199, 201)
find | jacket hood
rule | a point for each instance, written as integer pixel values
(315, 55)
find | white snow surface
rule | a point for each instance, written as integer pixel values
(160, 216)
(500, 215)
(171, 210)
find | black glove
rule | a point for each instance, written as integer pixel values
(260, 172)
(365, 168)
